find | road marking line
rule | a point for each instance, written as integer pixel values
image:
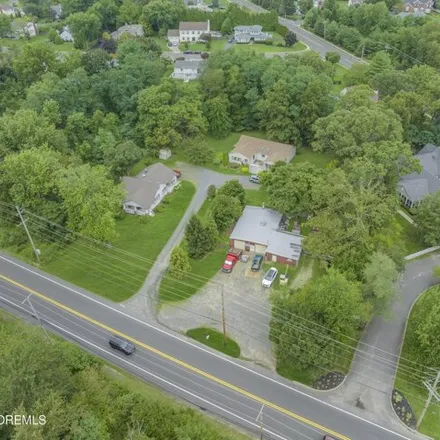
(200, 347)
(178, 361)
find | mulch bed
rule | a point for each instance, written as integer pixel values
(329, 381)
(403, 409)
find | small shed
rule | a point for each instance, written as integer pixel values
(164, 153)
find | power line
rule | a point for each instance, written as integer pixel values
(319, 335)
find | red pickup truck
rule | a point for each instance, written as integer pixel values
(231, 258)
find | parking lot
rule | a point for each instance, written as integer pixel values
(247, 311)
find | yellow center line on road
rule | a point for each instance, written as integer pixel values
(178, 362)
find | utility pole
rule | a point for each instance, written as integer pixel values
(432, 393)
(34, 313)
(23, 222)
(223, 317)
(260, 419)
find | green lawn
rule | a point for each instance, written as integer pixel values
(112, 274)
(338, 83)
(306, 154)
(217, 45)
(265, 48)
(256, 197)
(215, 340)
(172, 290)
(409, 235)
(40, 38)
(415, 391)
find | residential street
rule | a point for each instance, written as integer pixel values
(313, 41)
(372, 374)
(142, 304)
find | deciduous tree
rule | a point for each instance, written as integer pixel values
(225, 211)
(380, 275)
(233, 188)
(428, 219)
(91, 201)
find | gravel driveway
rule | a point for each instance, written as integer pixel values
(247, 312)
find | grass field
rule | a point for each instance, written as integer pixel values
(338, 83)
(412, 387)
(110, 273)
(409, 235)
(40, 38)
(217, 45)
(215, 340)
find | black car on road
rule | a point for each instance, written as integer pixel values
(121, 344)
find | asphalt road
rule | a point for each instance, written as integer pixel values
(313, 41)
(220, 385)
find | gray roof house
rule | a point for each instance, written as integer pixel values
(246, 34)
(188, 70)
(414, 187)
(136, 30)
(262, 231)
(414, 6)
(56, 11)
(145, 191)
(66, 34)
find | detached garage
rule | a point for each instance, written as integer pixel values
(261, 230)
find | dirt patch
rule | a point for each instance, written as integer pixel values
(329, 381)
(403, 409)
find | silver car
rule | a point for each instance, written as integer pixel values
(269, 277)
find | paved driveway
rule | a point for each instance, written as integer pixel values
(371, 376)
(247, 312)
(142, 304)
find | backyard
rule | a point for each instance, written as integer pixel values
(411, 386)
(118, 273)
(40, 38)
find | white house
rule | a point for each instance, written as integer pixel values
(7, 10)
(189, 31)
(147, 190)
(66, 35)
(187, 70)
(246, 34)
(260, 154)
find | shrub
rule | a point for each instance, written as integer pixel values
(244, 169)
(234, 165)
(332, 57)
(225, 159)
(212, 190)
(268, 43)
(279, 44)
(199, 153)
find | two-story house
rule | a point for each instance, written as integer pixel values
(147, 190)
(187, 70)
(260, 154)
(415, 6)
(189, 31)
(246, 34)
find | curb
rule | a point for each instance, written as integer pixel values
(395, 372)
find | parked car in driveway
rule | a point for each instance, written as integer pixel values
(254, 179)
(232, 257)
(121, 344)
(269, 277)
(257, 262)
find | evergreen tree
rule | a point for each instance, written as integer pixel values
(197, 238)
(179, 263)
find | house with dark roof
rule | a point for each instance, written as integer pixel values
(414, 187)
(145, 191)
(260, 154)
(263, 231)
(246, 34)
